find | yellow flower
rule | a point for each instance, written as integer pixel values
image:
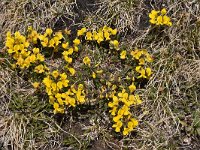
(36, 85)
(40, 57)
(81, 32)
(88, 36)
(126, 131)
(124, 111)
(59, 35)
(71, 101)
(59, 98)
(115, 44)
(138, 69)
(99, 71)
(65, 53)
(80, 87)
(45, 42)
(86, 61)
(148, 58)
(36, 50)
(135, 122)
(113, 111)
(163, 11)
(94, 75)
(59, 85)
(65, 83)
(72, 71)
(159, 20)
(48, 31)
(113, 31)
(95, 36)
(60, 101)
(117, 118)
(136, 54)
(32, 58)
(70, 51)
(47, 81)
(117, 126)
(55, 74)
(51, 100)
(76, 41)
(153, 15)
(57, 109)
(123, 54)
(75, 48)
(132, 88)
(48, 90)
(107, 35)
(65, 45)
(141, 61)
(39, 69)
(166, 21)
(100, 36)
(142, 74)
(63, 76)
(68, 59)
(54, 87)
(148, 71)
(135, 99)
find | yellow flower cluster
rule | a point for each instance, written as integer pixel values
(48, 39)
(142, 56)
(103, 34)
(32, 52)
(160, 17)
(86, 60)
(69, 50)
(32, 35)
(56, 84)
(18, 48)
(120, 110)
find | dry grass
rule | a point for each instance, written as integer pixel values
(170, 117)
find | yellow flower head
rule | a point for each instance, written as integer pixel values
(65, 45)
(115, 44)
(88, 36)
(40, 57)
(76, 41)
(123, 54)
(72, 71)
(132, 88)
(163, 11)
(48, 31)
(148, 71)
(159, 20)
(55, 74)
(63, 76)
(36, 50)
(36, 85)
(39, 69)
(81, 32)
(86, 61)
(93, 75)
(113, 31)
(117, 126)
(153, 15)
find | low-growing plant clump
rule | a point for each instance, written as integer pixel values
(31, 56)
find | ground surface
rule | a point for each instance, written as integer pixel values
(170, 116)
